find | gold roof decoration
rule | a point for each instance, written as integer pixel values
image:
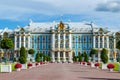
(61, 25)
(22, 29)
(117, 33)
(101, 30)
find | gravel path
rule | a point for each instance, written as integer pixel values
(61, 72)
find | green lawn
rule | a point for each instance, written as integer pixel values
(13, 64)
(115, 63)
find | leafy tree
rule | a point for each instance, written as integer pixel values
(92, 53)
(48, 58)
(80, 58)
(37, 59)
(104, 56)
(44, 58)
(6, 44)
(75, 58)
(85, 57)
(23, 55)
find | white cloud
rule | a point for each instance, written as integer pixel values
(109, 6)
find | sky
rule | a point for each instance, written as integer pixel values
(104, 13)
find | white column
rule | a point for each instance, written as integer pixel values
(64, 56)
(70, 41)
(98, 48)
(15, 41)
(24, 40)
(58, 56)
(98, 41)
(94, 42)
(59, 40)
(53, 57)
(70, 47)
(107, 41)
(64, 40)
(53, 41)
(29, 42)
(114, 47)
(19, 41)
(103, 41)
(70, 57)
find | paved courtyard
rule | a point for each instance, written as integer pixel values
(61, 72)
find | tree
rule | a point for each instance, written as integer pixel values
(85, 57)
(48, 58)
(37, 58)
(75, 58)
(118, 45)
(92, 53)
(31, 51)
(23, 55)
(80, 58)
(104, 56)
(6, 44)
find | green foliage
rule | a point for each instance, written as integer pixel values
(80, 58)
(23, 52)
(85, 57)
(23, 55)
(104, 56)
(6, 43)
(118, 59)
(37, 59)
(44, 58)
(48, 58)
(93, 52)
(14, 59)
(118, 45)
(22, 60)
(31, 51)
(75, 58)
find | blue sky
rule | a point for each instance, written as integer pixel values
(105, 13)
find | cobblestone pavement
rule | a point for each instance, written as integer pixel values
(61, 72)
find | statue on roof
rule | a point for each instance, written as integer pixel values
(61, 25)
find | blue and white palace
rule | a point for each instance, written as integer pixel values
(63, 40)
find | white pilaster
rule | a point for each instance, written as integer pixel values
(15, 41)
(114, 47)
(107, 41)
(70, 57)
(58, 40)
(94, 41)
(64, 40)
(53, 57)
(70, 41)
(53, 40)
(98, 41)
(58, 56)
(19, 41)
(103, 41)
(29, 42)
(24, 40)
(98, 48)
(64, 56)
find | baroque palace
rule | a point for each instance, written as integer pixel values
(63, 40)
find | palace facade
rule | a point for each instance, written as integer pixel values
(63, 40)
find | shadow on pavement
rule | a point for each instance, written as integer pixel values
(91, 78)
